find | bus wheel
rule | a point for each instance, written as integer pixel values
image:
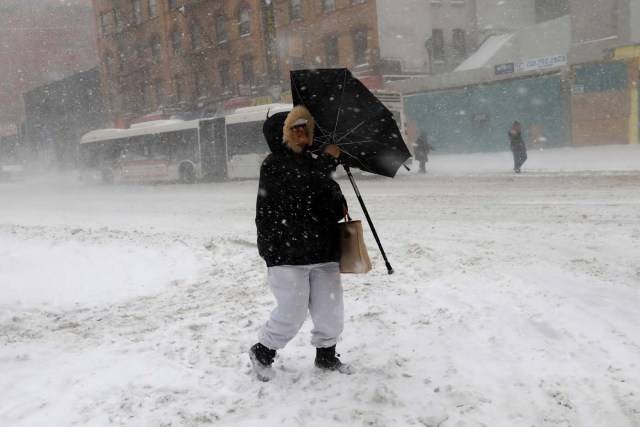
(187, 173)
(107, 176)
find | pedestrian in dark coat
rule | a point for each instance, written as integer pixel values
(421, 150)
(518, 148)
(297, 212)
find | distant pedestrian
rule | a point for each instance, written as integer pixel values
(422, 148)
(518, 148)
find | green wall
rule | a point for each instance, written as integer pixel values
(477, 118)
(602, 76)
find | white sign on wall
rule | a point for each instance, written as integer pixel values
(540, 63)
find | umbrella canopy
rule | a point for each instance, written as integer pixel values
(349, 115)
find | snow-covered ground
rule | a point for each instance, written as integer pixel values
(515, 302)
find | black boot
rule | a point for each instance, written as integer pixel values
(262, 359)
(327, 359)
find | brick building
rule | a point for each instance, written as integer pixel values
(328, 34)
(41, 42)
(173, 56)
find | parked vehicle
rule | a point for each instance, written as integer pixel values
(177, 150)
(11, 172)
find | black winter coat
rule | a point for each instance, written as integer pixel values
(516, 142)
(298, 207)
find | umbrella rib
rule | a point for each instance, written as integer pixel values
(325, 134)
(344, 84)
(347, 134)
(344, 144)
(362, 165)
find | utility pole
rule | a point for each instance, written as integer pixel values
(270, 49)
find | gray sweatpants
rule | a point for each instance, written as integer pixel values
(298, 288)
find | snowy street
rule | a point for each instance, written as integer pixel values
(514, 301)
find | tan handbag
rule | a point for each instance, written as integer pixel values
(355, 258)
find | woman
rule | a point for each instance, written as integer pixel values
(422, 148)
(297, 212)
(518, 148)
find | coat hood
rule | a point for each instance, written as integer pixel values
(298, 113)
(272, 130)
(277, 129)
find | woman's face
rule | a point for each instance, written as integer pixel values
(300, 136)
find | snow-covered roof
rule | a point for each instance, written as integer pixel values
(141, 129)
(544, 43)
(486, 51)
(540, 40)
(256, 113)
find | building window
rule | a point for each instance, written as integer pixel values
(196, 36)
(295, 11)
(122, 59)
(117, 21)
(360, 46)
(298, 63)
(173, 4)
(154, 43)
(162, 93)
(225, 77)
(201, 85)
(141, 52)
(220, 23)
(176, 42)
(137, 12)
(105, 25)
(331, 51)
(153, 9)
(179, 89)
(109, 62)
(355, 1)
(247, 70)
(459, 46)
(244, 20)
(147, 97)
(438, 44)
(328, 5)
(113, 98)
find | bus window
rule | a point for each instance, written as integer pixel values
(181, 145)
(245, 138)
(108, 153)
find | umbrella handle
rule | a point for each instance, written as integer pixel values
(366, 214)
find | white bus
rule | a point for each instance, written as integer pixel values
(175, 150)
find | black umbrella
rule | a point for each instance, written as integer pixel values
(347, 114)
